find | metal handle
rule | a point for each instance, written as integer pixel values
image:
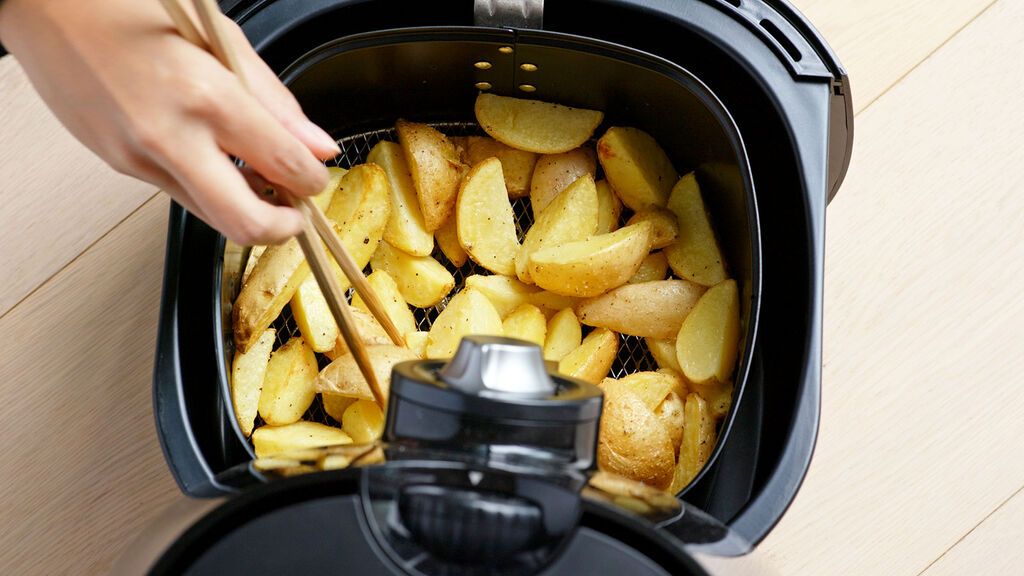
(528, 14)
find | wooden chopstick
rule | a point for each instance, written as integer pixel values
(315, 220)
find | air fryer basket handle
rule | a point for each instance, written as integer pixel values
(509, 13)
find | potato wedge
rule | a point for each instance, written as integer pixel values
(651, 387)
(516, 165)
(564, 334)
(504, 292)
(422, 281)
(417, 342)
(594, 357)
(632, 441)
(468, 312)
(436, 169)
(664, 353)
(571, 216)
(555, 172)
(313, 316)
(447, 237)
(670, 412)
(609, 208)
(250, 263)
(664, 227)
(526, 322)
(370, 331)
(336, 404)
(593, 266)
(288, 384)
(343, 377)
(637, 168)
(550, 303)
(718, 396)
(270, 440)
(655, 309)
(653, 267)
(405, 229)
(248, 370)
(390, 296)
(484, 218)
(533, 125)
(695, 255)
(708, 340)
(359, 211)
(363, 421)
(698, 441)
(679, 384)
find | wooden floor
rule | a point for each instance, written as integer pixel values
(918, 468)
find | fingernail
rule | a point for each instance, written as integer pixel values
(321, 138)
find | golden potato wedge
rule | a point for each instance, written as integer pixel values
(571, 216)
(417, 342)
(670, 412)
(664, 353)
(359, 211)
(564, 334)
(343, 377)
(421, 280)
(651, 387)
(461, 144)
(718, 396)
(609, 208)
(516, 165)
(535, 126)
(555, 172)
(405, 229)
(594, 357)
(526, 322)
(370, 332)
(288, 385)
(270, 440)
(248, 370)
(436, 169)
(468, 312)
(593, 266)
(664, 227)
(504, 292)
(654, 309)
(313, 316)
(250, 263)
(679, 384)
(391, 298)
(698, 441)
(447, 237)
(363, 421)
(551, 303)
(653, 267)
(336, 404)
(484, 218)
(695, 255)
(708, 339)
(632, 441)
(637, 168)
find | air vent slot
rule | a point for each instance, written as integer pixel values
(783, 41)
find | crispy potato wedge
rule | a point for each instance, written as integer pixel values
(698, 441)
(391, 297)
(248, 370)
(422, 281)
(653, 267)
(468, 312)
(593, 266)
(447, 237)
(555, 172)
(272, 283)
(633, 442)
(638, 169)
(484, 218)
(708, 340)
(288, 384)
(436, 169)
(370, 332)
(363, 421)
(718, 396)
(664, 227)
(609, 208)
(594, 357)
(670, 412)
(313, 316)
(417, 342)
(516, 165)
(535, 126)
(664, 353)
(571, 216)
(405, 229)
(250, 263)
(270, 440)
(504, 292)
(655, 309)
(343, 377)
(550, 302)
(526, 322)
(695, 255)
(564, 334)
(679, 384)
(336, 404)
(651, 387)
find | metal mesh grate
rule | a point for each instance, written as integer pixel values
(633, 355)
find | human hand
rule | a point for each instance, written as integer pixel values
(154, 106)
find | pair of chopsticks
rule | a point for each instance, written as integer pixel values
(315, 222)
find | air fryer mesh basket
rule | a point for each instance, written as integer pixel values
(633, 355)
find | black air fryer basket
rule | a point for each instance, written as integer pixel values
(744, 92)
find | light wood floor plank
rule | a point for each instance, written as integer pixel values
(992, 547)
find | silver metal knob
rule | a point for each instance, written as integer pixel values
(486, 365)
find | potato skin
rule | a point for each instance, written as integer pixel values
(633, 441)
(593, 266)
(436, 168)
(636, 166)
(555, 172)
(516, 165)
(650, 309)
(535, 126)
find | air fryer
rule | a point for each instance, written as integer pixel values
(744, 92)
